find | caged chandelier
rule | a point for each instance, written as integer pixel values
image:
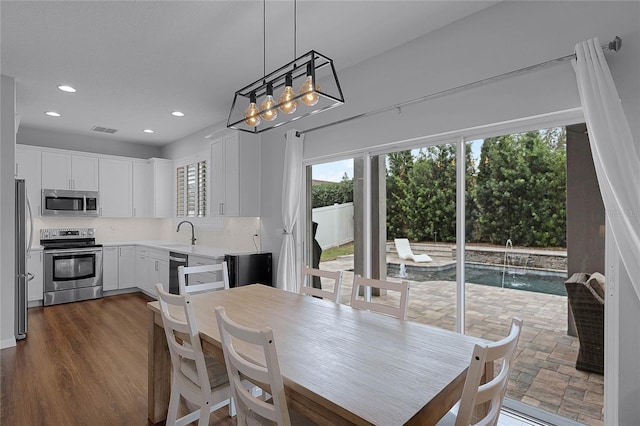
(287, 94)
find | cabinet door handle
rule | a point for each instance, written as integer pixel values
(17, 170)
(221, 208)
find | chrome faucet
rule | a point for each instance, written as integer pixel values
(193, 237)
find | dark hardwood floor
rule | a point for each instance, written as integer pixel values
(82, 363)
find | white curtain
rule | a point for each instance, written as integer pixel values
(614, 155)
(291, 188)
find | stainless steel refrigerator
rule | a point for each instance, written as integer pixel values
(24, 237)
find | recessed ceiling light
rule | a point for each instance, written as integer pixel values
(52, 113)
(177, 114)
(68, 89)
(148, 131)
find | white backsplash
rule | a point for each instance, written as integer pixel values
(234, 234)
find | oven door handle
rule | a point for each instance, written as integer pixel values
(73, 251)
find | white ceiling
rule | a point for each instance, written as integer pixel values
(133, 62)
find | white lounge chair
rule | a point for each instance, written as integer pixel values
(404, 251)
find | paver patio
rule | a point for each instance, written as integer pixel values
(544, 373)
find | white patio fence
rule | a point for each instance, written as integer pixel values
(335, 224)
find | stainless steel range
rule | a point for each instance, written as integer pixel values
(72, 265)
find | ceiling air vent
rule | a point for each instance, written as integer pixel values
(103, 129)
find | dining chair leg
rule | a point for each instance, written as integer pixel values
(204, 414)
(232, 407)
(172, 414)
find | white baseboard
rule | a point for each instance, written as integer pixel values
(7, 343)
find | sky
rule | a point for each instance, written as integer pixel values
(333, 172)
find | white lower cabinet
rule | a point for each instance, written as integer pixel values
(158, 268)
(118, 267)
(126, 266)
(34, 267)
(109, 268)
(142, 269)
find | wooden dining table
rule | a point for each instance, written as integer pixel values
(340, 366)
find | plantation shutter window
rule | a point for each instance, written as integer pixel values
(191, 190)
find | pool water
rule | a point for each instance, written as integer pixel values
(527, 281)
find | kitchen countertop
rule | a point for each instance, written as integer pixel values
(206, 251)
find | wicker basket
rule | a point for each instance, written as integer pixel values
(588, 313)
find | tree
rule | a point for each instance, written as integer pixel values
(330, 193)
(520, 189)
(399, 166)
(430, 204)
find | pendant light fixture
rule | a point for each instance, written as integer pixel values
(308, 90)
(254, 107)
(252, 113)
(268, 107)
(287, 104)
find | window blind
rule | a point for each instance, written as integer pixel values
(191, 184)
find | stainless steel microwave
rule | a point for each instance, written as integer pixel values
(60, 202)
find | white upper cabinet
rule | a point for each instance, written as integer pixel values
(163, 187)
(153, 188)
(67, 171)
(115, 188)
(128, 187)
(29, 168)
(142, 193)
(235, 176)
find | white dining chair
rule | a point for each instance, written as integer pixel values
(204, 383)
(306, 283)
(493, 391)
(203, 278)
(252, 409)
(399, 311)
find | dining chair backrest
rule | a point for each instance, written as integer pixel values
(191, 377)
(493, 391)
(199, 278)
(399, 311)
(306, 283)
(267, 376)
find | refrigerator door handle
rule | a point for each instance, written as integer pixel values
(30, 227)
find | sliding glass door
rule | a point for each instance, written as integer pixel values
(334, 221)
(478, 227)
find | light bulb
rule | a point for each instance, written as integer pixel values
(268, 106)
(310, 97)
(286, 104)
(251, 116)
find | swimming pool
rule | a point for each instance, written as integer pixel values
(548, 283)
